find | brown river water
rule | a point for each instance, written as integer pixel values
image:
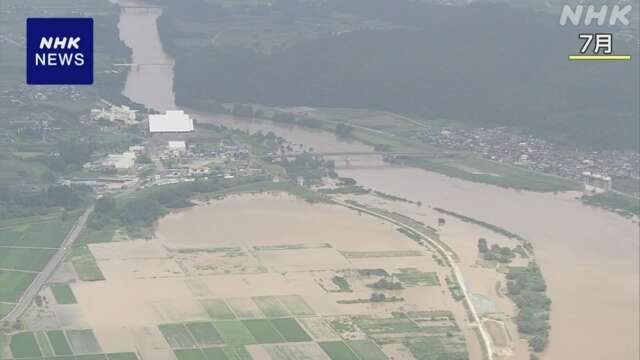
(590, 257)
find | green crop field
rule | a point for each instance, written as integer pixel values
(26, 246)
(234, 332)
(27, 259)
(83, 342)
(244, 308)
(366, 349)
(122, 356)
(10, 235)
(59, 342)
(296, 305)
(190, 354)
(92, 236)
(229, 352)
(215, 354)
(373, 326)
(24, 345)
(319, 329)
(434, 348)
(92, 357)
(85, 264)
(204, 333)
(177, 336)
(337, 350)
(63, 294)
(414, 277)
(298, 351)
(270, 306)
(5, 309)
(263, 331)
(217, 309)
(14, 283)
(48, 235)
(291, 330)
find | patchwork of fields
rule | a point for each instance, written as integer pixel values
(26, 246)
(58, 344)
(311, 297)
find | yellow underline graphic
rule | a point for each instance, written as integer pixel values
(599, 57)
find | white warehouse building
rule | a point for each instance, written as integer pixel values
(173, 121)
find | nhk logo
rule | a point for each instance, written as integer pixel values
(60, 51)
(588, 15)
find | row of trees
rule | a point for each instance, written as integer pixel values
(501, 254)
(146, 207)
(18, 201)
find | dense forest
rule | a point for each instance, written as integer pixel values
(487, 65)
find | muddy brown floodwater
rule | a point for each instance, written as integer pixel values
(589, 256)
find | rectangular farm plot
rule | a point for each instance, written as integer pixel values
(47, 234)
(10, 236)
(5, 309)
(415, 277)
(43, 343)
(227, 353)
(85, 264)
(59, 343)
(234, 332)
(291, 330)
(302, 351)
(177, 336)
(217, 309)
(393, 325)
(92, 357)
(270, 306)
(14, 283)
(380, 254)
(319, 329)
(233, 353)
(204, 333)
(296, 305)
(427, 348)
(24, 345)
(83, 342)
(245, 308)
(337, 350)
(26, 259)
(263, 331)
(366, 349)
(63, 294)
(190, 354)
(122, 356)
(215, 354)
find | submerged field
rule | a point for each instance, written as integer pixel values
(250, 277)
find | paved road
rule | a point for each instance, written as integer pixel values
(45, 274)
(475, 318)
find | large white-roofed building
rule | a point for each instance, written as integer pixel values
(173, 121)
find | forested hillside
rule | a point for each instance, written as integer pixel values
(482, 64)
